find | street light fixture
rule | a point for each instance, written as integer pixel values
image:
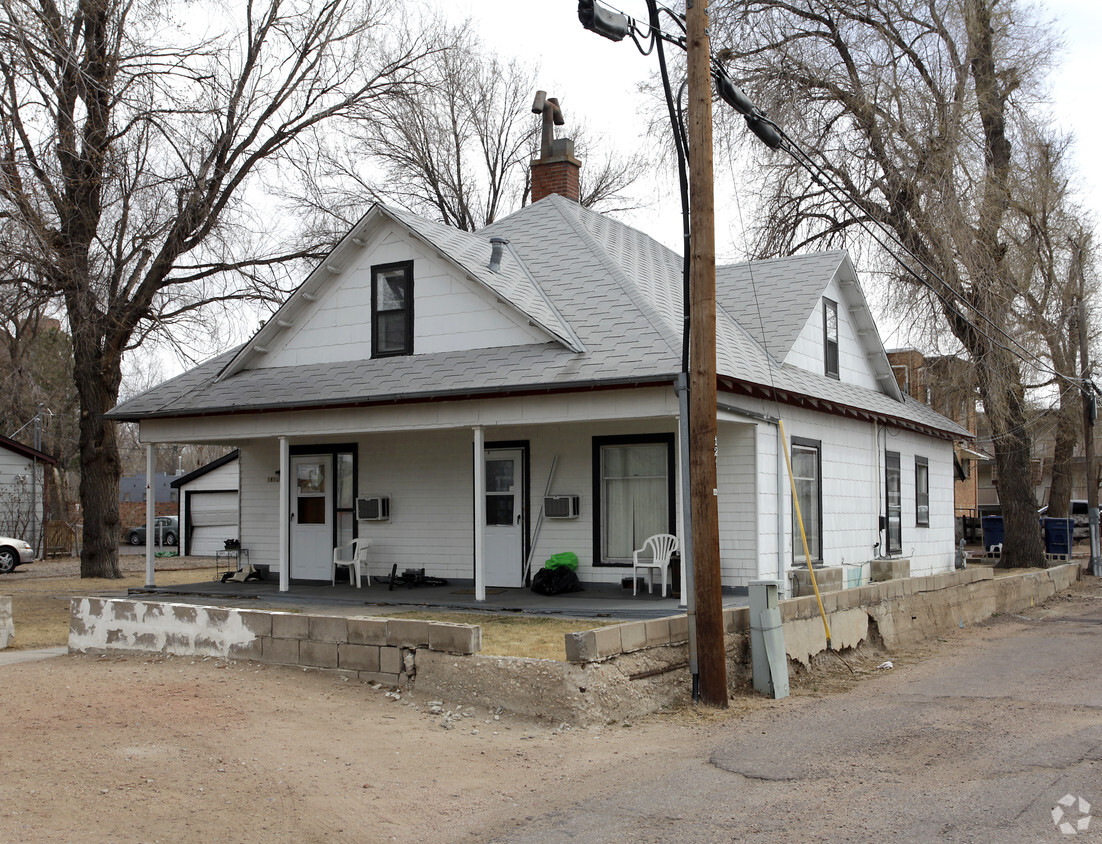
(611, 25)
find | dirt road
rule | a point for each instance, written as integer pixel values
(975, 740)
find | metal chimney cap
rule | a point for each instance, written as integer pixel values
(498, 246)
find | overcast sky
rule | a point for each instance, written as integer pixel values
(596, 79)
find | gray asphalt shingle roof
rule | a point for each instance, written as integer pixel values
(581, 275)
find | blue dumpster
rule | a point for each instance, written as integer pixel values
(993, 531)
(1059, 535)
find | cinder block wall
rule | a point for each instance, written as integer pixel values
(375, 649)
(903, 611)
(7, 627)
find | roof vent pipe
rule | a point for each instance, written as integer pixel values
(498, 244)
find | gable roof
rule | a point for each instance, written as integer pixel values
(609, 297)
(26, 450)
(195, 474)
(470, 253)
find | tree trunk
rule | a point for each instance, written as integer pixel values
(1067, 435)
(97, 377)
(1004, 403)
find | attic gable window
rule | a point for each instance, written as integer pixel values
(392, 309)
(830, 337)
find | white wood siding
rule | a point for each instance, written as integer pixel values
(852, 465)
(450, 312)
(16, 473)
(259, 502)
(420, 455)
(737, 471)
(224, 478)
(808, 350)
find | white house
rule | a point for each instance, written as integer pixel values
(448, 380)
(209, 506)
(24, 473)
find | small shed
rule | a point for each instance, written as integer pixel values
(209, 506)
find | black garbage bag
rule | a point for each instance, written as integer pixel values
(556, 581)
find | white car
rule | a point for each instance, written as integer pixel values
(14, 552)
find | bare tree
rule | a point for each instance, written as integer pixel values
(128, 147)
(456, 147)
(1050, 241)
(920, 110)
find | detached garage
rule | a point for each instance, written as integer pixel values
(209, 507)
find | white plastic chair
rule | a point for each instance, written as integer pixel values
(662, 546)
(358, 557)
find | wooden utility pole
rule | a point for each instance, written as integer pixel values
(712, 657)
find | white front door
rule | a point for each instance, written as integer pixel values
(503, 538)
(311, 519)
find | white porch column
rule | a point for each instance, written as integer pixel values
(479, 513)
(150, 514)
(284, 515)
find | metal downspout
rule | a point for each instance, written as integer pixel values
(688, 582)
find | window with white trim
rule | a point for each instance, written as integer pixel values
(922, 492)
(633, 488)
(807, 476)
(894, 502)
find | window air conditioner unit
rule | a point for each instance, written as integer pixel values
(373, 509)
(561, 506)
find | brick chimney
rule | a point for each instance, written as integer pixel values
(556, 170)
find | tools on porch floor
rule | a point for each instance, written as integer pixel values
(412, 577)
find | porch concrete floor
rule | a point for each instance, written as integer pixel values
(597, 601)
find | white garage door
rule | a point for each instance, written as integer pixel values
(213, 521)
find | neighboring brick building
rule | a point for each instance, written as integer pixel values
(948, 385)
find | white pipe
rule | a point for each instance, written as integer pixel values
(688, 576)
(876, 483)
(150, 515)
(479, 513)
(785, 584)
(284, 515)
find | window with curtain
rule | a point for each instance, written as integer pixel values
(634, 487)
(922, 492)
(807, 476)
(893, 485)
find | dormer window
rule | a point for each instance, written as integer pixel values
(392, 309)
(830, 337)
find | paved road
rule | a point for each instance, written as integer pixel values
(977, 743)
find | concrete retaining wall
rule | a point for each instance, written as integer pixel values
(617, 672)
(904, 611)
(380, 650)
(7, 627)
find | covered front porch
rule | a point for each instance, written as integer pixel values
(439, 488)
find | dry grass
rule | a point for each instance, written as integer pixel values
(538, 637)
(40, 605)
(40, 611)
